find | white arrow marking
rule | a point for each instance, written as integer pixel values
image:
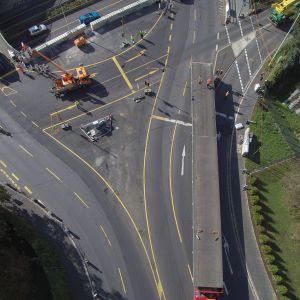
(182, 161)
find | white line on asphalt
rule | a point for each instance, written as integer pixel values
(247, 60)
(217, 47)
(227, 33)
(225, 288)
(239, 75)
(218, 35)
(257, 45)
(182, 161)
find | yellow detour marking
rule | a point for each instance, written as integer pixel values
(7, 91)
(93, 75)
(122, 73)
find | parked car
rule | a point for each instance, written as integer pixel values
(37, 29)
(89, 17)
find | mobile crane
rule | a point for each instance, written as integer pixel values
(281, 11)
(67, 82)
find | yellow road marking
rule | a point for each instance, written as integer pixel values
(7, 91)
(190, 272)
(28, 190)
(97, 108)
(122, 73)
(36, 125)
(170, 184)
(23, 114)
(121, 53)
(12, 103)
(141, 53)
(53, 174)
(15, 176)
(194, 37)
(179, 122)
(116, 196)
(93, 75)
(171, 26)
(105, 235)
(3, 163)
(81, 199)
(66, 108)
(184, 89)
(170, 37)
(123, 285)
(25, 150)
(159, 285)
(168, 51)
(143, 76)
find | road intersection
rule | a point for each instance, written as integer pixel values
(138, 180)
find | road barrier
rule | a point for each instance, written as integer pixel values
(109, 18)
(63, 37)
(122, 12)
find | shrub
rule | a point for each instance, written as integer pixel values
(260, 229)
(254, 199)
(253, 190)
(253, 180)
(282, 289)
(269, 258)
(264, 239)
(278, 279)
(256, 209)
(266, 249)
(258, 218)
(273, 269)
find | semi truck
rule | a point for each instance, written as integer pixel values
(206, 293)
(282, 10)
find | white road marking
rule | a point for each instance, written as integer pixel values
(182, 161)
(239, 75)
(217, 47)
(245, 50)
(227, 33)
(218, 35)
(257, 45)
(225, 288)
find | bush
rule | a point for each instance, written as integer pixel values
(254, 199)
(269, 259)
(265, 249)
(253, 180)
(257, 209)
(273, 269)
(260, 229)
(264, 239)
(278, 279)
(258, 218)
(253, 190)
(282, 289)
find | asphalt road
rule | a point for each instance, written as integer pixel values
(138, 180)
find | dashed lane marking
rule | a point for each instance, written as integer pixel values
(81, 200)
(36, 125)
(28, 190)
(23, 114)
(108, 240)
(3, 163)
(171, 120)
(25, 150)
(170, 37)
(15, 176)
(190, 272)
(184, 89)
(239, 76)
(114, 59)
(64, 109)
(171, 26)
(194, 37)
(145, 75)
(13, 103)
(121, 277)
(53, 174)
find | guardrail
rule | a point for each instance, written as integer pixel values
(63, 37)
(122, 12)
(109, 18)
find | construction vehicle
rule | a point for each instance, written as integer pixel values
(208, 293)
(67, 82)
(282, 10)
(80, 41)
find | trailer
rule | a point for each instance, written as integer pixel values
(281, 11)
(98, 128)
(246, 142)
(205, 293)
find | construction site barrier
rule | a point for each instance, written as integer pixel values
(122, 12)
(63, 37)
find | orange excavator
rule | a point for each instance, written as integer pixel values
(67, 82)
